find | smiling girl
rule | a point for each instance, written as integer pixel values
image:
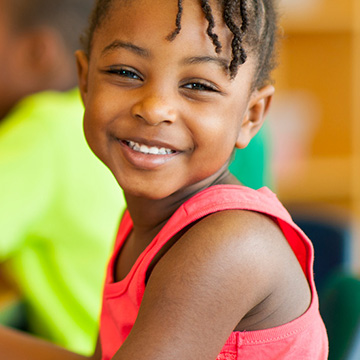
(203, 268)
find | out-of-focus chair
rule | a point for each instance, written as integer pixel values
(340, 309)
(329, 230)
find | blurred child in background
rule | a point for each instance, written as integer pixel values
(59, 205)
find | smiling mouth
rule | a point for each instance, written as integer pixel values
(148, 150)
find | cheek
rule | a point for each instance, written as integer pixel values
(95, 120)
(101, 121)
(106, 102)
(220, 126)
(217, 135)
(99, 110)
(91, 133)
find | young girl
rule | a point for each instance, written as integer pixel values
(203, 268)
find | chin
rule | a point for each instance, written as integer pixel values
(150, 192)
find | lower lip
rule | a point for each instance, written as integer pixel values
(144, 161)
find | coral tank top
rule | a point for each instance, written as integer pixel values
(300, 339)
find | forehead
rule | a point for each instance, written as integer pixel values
(152, 21)
(147, 13)
(165, 5)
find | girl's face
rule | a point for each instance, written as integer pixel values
(164, 115)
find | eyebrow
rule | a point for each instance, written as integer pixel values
(118, 44)
(222, 62)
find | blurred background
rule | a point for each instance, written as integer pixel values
(315, 133)
(315, 116)
(309, 154)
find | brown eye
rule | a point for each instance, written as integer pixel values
(126, 73)
(199, 87)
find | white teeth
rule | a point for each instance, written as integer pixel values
(153, 150)
(144, 149)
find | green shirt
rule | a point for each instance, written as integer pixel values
(59, 211)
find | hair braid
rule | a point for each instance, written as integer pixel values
(173, 35)
(238, 53)
(244, 28)
(209, 17)
(244, 16)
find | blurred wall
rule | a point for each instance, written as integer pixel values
(315, 118)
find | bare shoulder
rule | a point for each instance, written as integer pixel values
(244, 240)
(228, 272)
(249, 249)
(243, 258)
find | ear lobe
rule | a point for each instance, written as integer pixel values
(258, 107)
(82, 64)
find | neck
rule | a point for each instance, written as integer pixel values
(149, 215)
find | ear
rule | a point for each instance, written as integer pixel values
(82, 64)
(258, 107)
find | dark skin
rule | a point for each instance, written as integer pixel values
(190, 306)
(212, 305)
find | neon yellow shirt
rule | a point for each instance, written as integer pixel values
(59, 210)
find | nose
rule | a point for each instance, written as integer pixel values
(154, 110)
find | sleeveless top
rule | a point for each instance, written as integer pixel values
(302, 338)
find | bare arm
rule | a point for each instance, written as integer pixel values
(204, 286)
(15, 345)
(196, 295)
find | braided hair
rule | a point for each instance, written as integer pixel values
(253, 24)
